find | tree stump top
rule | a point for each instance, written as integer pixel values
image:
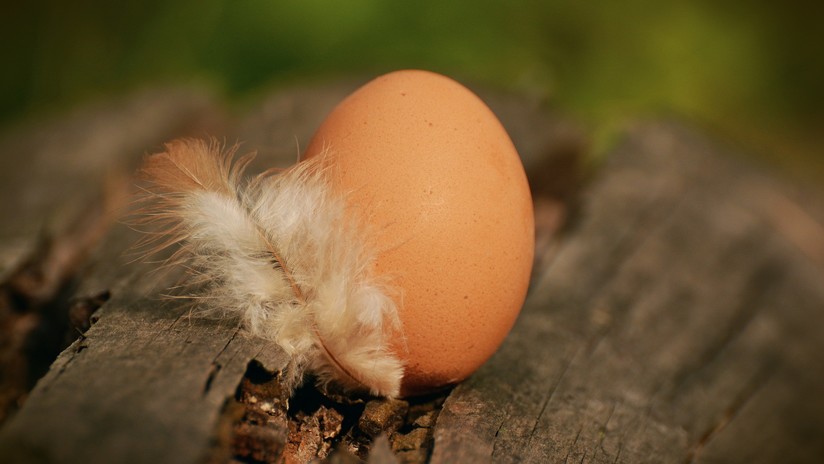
(674, 312)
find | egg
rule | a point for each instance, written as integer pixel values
(431, 169)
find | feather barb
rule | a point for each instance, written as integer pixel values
(279, 253)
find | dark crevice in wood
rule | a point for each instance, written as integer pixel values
(266, 425)
(38, 316)
(259, 431)
(498, 432)
(572, 446)
(216, 367)
(82, 310)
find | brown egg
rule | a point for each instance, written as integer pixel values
(430, 167)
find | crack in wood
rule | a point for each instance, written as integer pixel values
(551, 394)
(213, 372)
(228, 342)
(618, 454)
(730, 412)
(161, 333)
(574, 442)
(603, 433)
(495, 441)
(497, 432)
(216, 365)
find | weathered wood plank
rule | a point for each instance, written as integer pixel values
(675, 321)
(149, 384)
(674, 324)
(50, 170)
(145, 384)
(61, 187)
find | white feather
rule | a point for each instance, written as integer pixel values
(281, 254)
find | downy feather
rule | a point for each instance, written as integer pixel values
(280, 253)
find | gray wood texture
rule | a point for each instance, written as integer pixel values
(676, 318)
(63, 182)
(679, 320)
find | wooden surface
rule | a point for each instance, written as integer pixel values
(64, 180)
(678, 321)
(677, 317)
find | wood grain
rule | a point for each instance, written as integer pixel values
(62, 184)
(675, 323)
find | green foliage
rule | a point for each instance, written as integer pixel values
(741, 66)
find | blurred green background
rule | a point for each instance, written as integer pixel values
(749, 70)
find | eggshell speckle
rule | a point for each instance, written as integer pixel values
(431, 169)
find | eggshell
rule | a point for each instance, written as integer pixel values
(428, 165)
